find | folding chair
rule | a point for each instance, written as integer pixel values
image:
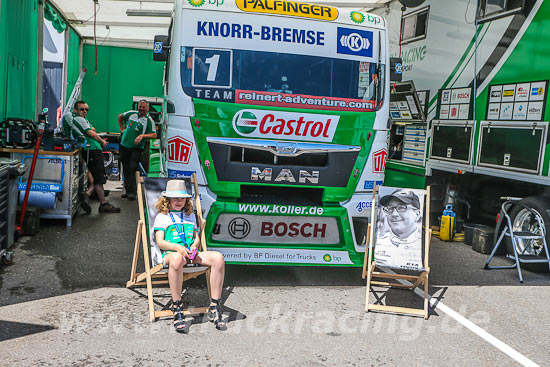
(404, 255)
(534, 236)
(155, 272)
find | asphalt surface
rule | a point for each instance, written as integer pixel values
(64, 302)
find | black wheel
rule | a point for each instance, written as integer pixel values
(523, 220)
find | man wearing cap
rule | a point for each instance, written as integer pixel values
(401, 246)
(135, 127)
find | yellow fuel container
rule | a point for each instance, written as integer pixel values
(446, 231)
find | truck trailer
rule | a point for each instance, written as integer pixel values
(481, 67)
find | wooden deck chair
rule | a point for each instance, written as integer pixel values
(386, 249)
(149, 191)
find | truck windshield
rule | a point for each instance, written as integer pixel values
(321, 82)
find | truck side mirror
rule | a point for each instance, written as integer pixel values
(161, 48)
(396, 69)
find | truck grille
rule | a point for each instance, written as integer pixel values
(281, 162)
(281, 195)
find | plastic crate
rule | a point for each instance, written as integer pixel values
(469, 232)
(483, 239)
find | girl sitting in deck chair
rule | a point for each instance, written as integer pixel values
(176, 232)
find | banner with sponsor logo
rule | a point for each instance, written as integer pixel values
(289, 8)
(288, 100)
(517, 102)
(214, 29)
(276, 229)
(285, 125)
(48, 176)
(281, 209)
(278, 255)
(455, 104)
(292, 8)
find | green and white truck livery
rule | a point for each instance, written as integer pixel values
(280, 108)
(502, 149)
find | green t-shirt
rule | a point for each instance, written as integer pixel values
(136, 126)
(186, 224)
(75, 127)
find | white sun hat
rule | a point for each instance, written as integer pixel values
(176, 189)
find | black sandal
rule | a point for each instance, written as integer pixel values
(179, 319)
(215, 315)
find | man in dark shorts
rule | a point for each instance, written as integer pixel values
(92, 154)
(135, 127)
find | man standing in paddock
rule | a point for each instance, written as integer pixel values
(77, 127)
(135, 127)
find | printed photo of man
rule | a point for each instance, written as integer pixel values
(399, 229)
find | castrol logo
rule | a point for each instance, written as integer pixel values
(285, 125)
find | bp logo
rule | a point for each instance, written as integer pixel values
(327, 258)
(245, 122)
(196, 3)
(357, 17)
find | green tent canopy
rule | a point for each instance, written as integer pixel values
(51, 14)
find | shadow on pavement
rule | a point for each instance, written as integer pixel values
(11, 330)
(97, 252)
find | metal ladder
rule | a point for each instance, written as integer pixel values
(76, 92)
(520, 257)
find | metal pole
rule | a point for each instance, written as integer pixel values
(475, 60)
(40, 57)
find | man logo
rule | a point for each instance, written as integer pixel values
(246, 122)
(354, 42)
(238, 228)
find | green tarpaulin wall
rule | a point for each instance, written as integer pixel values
(18, 58)
(122, 73)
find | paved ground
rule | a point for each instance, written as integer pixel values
(64, 303)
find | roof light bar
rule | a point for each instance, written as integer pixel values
(148, 13)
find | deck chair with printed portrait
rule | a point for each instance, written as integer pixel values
(399, 226)
(149, 191)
